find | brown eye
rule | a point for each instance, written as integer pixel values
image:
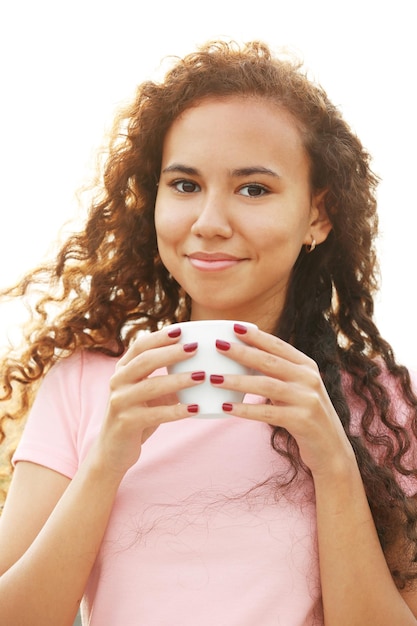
(253, 190)
(185, 186)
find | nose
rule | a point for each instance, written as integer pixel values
(212, 219)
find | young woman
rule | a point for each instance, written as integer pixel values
(232, 190)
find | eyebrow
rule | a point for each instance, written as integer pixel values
(256, 169)
(240, 172)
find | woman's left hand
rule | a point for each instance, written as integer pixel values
(299, 400)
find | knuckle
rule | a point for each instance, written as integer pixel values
(113, 385)
(312, 374)
(180, 410)
(149, 386)
(316, 381)
(270, 388)
(115, 403)
(268, 362)
(267, 412)
(277, 341)
(315, 402)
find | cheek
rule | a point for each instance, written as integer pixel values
(169, 230)
(163, 221)
(168, 216)
(271, 233)
(282, 238)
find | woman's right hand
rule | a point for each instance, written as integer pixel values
(138, 402)
(50, 569)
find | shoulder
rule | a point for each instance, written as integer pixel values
(82, 367)
(76, 386)
(67, 412)
(85, 361)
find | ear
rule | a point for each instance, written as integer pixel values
(320, 225)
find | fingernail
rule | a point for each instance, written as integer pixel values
(198, 375)
(240, 329)
(222, 345)
(216, 379)
(192, 408)
(174, 332)
(190, 347)
(226, 406)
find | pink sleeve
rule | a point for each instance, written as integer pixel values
(50, 435)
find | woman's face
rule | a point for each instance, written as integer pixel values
(234, 207)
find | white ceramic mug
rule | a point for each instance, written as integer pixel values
(207, 358)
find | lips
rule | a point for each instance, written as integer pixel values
(212, 262)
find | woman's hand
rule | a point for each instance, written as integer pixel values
(138, 402)
(299, 400)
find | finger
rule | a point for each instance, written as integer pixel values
(295, 419)
(145, 363)
(270, 343)
(151, 389)
(275, 390)
(140, 422)
(151, 417)
(279, 392)
(270, 363)
(260, 413)
(146, 341)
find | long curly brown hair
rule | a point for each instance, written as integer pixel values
(108, 282)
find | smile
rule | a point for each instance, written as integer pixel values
(213, 262)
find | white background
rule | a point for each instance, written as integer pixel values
(66, 67)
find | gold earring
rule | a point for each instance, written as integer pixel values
(312, 246)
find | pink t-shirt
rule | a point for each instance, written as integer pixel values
(197, 534)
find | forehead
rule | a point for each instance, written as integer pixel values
(236, 128)
(235, 108)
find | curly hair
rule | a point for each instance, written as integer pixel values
(108, 281)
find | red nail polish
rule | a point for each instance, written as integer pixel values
(198, 375)
(216, 379)
(226, 406)
(190, 347)
(240, 329)
(192, 408)
(222, 345)
(174, 332)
